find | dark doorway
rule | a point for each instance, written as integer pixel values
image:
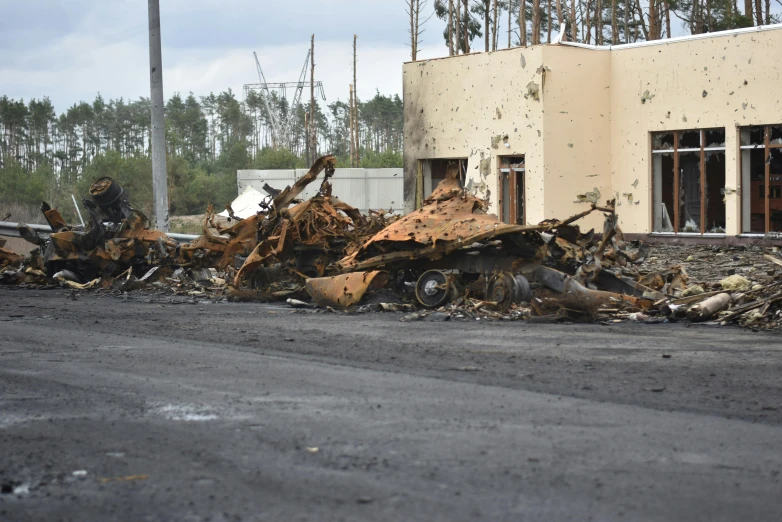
(511, 189)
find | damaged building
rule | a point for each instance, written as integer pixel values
(685, 134)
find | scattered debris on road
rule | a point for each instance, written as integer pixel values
(448, 260)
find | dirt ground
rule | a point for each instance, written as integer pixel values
(147, 407)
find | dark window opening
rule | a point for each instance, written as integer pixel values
(689, 139)
(689, 192)
(715, 192)
(714, 139)
(511, 189)
(689, 181)
(761, 179)
(432, 171)
(663, 141)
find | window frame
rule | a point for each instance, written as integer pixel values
(675, 151)
(520, 169)
(420, 195)
(767, 146)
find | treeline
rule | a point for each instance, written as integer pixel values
(46, 156)
(599, 22)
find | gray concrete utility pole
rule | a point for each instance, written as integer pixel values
(159, 175)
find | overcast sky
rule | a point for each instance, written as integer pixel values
(71, 49)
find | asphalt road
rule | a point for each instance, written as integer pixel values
(142, 409)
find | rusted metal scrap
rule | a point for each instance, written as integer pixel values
(8, 258)
(309, 237)
(115, 238)
(450, 257)
(344, 291)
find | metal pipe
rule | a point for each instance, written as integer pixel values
(10, 229)
(77, 209)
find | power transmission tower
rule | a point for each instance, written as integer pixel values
(313, 127)
(280, 110)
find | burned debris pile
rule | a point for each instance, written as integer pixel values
(450, 259)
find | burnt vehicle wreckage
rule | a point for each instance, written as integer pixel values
(450, 258)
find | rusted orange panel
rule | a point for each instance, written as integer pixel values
(344, 291)
(64, 242)
(55, 220)
(8, 258)
(437, 229)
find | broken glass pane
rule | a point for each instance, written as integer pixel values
(775, 132)
(663, 192)
(775, 190)
(662, 141)
(753, 183)
(715, 192)
(752, 136)
(511, 161)
(715, 138)
(690, 192)
(690, 140)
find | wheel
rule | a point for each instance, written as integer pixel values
(506, 289)
(432, 288)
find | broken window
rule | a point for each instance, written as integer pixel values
(431, 172)
(690, 192)
(511, 189)
(688, 171)
(761, 179)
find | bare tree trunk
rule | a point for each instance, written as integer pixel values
(635, 28)
(573, 23)
(627, 22)
(559, 14)
(352, 132)
(496, 21)
(768, 12)
(450, 27)
(588, 22)
(548, 21)
(758, 13)
(510, 19)
(458, 21)
(411, 5)
(668, 20)
(523, 23)
(653, 23)
(642, 22)
(748, 9)
(535, 22)
(466, 27)
(415, 41)
(614, 26)
(599, 39)
(486, 22)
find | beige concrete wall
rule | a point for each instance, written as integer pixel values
(465, 107)
(589, 128)
(577, 130)
(741, 75)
